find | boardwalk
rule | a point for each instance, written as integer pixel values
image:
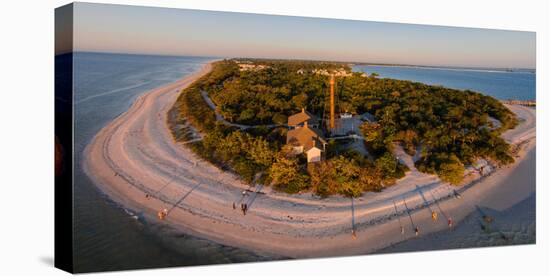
(135, 156)
(520, 102)
(221, 119)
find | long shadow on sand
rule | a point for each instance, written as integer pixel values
(183, 198)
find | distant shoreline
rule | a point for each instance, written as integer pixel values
(515, 85)
(452, 68)
(136, 162)
(457, 68)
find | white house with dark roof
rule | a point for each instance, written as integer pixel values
(305, 139)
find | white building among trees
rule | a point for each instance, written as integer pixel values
(305, 136)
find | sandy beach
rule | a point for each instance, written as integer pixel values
(135, 155)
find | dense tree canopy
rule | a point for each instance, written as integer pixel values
(452, 128)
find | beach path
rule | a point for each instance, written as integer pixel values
(135, 161)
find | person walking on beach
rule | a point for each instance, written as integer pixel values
(416, 231)
(243, 208)
(233, 205)
(450, 222)
(162, 214)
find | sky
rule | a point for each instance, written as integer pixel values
(163, 31)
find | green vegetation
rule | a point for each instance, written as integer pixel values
(452, 128)
(271, 94)
(351, 174)
(287, 174)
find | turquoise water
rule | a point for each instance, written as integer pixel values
(501, 84)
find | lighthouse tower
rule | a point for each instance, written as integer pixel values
(332, 123)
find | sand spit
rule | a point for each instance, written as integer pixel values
(135, 155)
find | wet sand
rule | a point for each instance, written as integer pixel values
(136, 162)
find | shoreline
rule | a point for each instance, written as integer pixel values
(452, 68)
(135, 155)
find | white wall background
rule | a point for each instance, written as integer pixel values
(26, 136)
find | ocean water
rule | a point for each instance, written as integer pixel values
(110, 237)
(107, 236)
(518, 222)
(501, 84)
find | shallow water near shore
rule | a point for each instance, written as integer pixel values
(109, 236)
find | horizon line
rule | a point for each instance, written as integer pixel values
(298, 59)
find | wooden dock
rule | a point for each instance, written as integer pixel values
(520, 102)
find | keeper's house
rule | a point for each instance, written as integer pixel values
(299, 119)
(305, 136)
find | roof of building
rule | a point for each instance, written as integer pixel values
(306, 137)
(315, 143)
(302, 117)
